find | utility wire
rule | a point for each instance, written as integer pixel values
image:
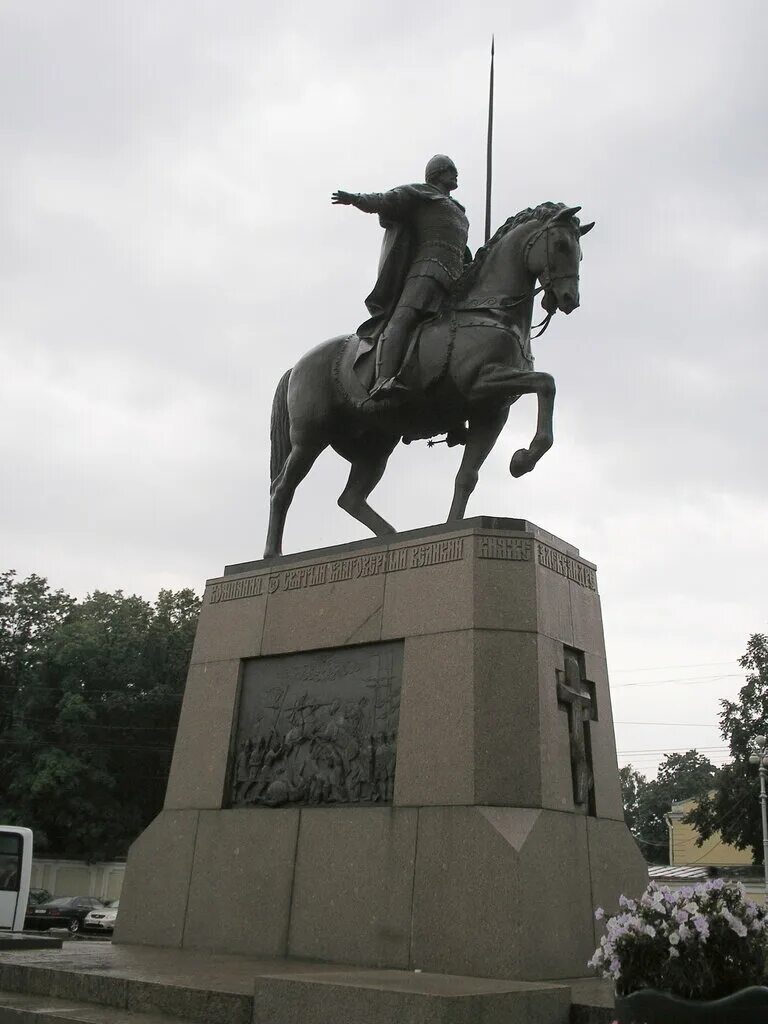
(66, 747)
(93, 725)
(687, 725)
(681, 681)
(670, 750)
(30, 689)
(663, 668)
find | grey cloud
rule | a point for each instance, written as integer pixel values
(168, 248)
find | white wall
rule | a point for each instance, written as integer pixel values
(76, 878)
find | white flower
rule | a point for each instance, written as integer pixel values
(735, 924)
(674, 938)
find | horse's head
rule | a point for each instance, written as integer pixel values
(553, 254)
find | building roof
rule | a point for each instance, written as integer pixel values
(685, 871)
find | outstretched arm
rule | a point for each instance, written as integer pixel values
(391, 205)
(344, 198)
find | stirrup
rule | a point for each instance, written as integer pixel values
(386, 388)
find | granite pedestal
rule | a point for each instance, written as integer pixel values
(456, 811)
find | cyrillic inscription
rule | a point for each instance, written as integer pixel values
(355, 567)
(508, 549)
(251, 586)
(566, 566)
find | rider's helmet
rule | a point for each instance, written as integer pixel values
(439, 163)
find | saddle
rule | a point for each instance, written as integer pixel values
(426, 362)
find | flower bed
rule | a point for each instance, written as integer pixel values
(702, 942)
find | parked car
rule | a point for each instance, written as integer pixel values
(102, 919)
(63, 912)
(37, 896)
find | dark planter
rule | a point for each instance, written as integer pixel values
(749, 1006)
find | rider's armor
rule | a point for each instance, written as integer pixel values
(438, 228)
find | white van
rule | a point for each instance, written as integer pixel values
(15, 873)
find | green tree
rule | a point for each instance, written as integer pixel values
(733, 809)
(30, 614)
(632, 785)
(94, 722)
(646, 803)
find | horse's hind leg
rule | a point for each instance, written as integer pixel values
(297, 465)
(482, 436)
(369, 460)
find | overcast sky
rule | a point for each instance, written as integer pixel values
(168, 248)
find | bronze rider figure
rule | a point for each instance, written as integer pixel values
(424, 251)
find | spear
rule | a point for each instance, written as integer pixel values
(489, 154)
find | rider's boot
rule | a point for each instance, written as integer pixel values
(388, 383)
(457, 435)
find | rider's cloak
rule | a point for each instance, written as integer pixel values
(397, 249)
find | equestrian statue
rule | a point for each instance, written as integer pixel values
(446, 349)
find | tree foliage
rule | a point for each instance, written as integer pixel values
(632, 785)
(646, 803)
(90, 694)
(733, 810)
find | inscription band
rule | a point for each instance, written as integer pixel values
(418, 556)
(566, 566)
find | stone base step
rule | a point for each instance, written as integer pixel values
(89, 981)
(12, 941)
(404, 997)
(152, 984)
(16, 1008)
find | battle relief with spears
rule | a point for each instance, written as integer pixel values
(318, 728)
(446, 349)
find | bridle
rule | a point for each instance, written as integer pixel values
(546, 276)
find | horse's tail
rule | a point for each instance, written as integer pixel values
(279, 429)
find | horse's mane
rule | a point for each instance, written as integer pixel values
(541, 212)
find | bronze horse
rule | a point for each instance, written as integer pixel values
(483, 337)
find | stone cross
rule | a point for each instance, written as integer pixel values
(573, 691)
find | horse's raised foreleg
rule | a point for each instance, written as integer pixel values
(297, 465)
(482, 436)
(369, 460)
(500, 382)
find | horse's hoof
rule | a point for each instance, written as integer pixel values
(521, 463)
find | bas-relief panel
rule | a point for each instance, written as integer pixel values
(318, 727)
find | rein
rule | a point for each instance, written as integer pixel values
(546, 278)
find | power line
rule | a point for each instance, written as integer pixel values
(24, 720)
(651, 842)
(680, 681)
(663, 668)
(672, 750)
(66, 748)
(687, 725)
(29, 689)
